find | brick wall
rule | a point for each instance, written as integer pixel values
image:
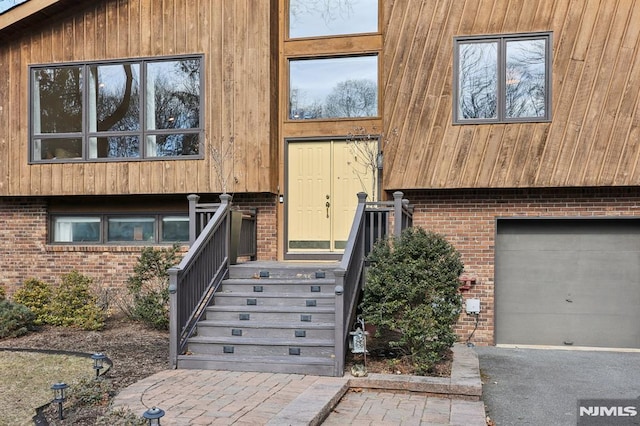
(267, 222)
(468, 219)
(24, 252)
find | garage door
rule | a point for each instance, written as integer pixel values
(568, 282)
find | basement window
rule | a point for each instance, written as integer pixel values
(119, 229)
(121, 110)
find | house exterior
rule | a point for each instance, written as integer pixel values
(511, 126)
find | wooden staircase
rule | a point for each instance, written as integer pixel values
(269, 317)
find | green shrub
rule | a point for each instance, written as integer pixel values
(15, 319)
(74, 304)
(149, 287)
(3, 293)
(35, 295)
(411, 294)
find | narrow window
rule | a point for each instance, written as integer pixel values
(76, 229)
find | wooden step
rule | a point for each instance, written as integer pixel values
(241, 299)
(282, 330)
(320, 366)
(246, 346)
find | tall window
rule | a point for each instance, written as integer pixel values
(316, 18)
(116, 110)
(339, 87)
(502, 78)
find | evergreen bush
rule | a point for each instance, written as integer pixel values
(411, 295)
(75, 304)
(15, 319)
(149, 287)
(35, 295)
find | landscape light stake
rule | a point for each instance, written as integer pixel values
(59, 397)
(153, 414)
(98, 362)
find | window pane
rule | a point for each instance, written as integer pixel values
(114, 147)
(58, 148)
(173, 94)
(175, 228)
(333, 88)
(312, 18)
(525, 78)
(477, 80)
(113, 98)
(173, 145)
(76, 229)
(131, 229)
(57, 100)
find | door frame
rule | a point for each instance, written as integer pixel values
(287, 255)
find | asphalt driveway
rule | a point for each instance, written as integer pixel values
(543, 386)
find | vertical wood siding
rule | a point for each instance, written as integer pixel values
(593, 138)
(235, 38)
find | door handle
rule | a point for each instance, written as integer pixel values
(327, 205)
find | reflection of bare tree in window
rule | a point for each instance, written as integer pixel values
(117, 109)
(59, 92)
(177, 106)
(300, 109)
(353, 98)
(327, 9)
(525, 79)
(477, 80)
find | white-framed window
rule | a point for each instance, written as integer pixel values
(119, 229)
(502, 78)
(116, 110)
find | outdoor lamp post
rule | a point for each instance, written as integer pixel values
(153, 414)
(59, 396)
(98, 362)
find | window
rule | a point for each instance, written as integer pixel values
(502, 78)
(316, 18)
(116, 110)
(339, 87)
(119, 229)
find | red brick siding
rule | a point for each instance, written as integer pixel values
(468, 219)
(24, 252)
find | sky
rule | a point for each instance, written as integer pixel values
(8, 4)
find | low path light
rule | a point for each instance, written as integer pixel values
(98, 362)
(59, 397)
(153, 414)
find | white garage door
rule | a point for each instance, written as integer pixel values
(568, 282)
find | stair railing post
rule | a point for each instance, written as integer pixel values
(193, 201)
(173, 317)
(339, 324)
(397, 213)
(225, 200)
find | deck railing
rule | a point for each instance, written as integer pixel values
(372, 221)
(195, 280)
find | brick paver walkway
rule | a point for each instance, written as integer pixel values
(370, 407)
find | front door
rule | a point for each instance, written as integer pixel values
(324, 178)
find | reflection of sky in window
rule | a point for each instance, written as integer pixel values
(112, 78)
(8, 4)
(312, 18)
(315, 78)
